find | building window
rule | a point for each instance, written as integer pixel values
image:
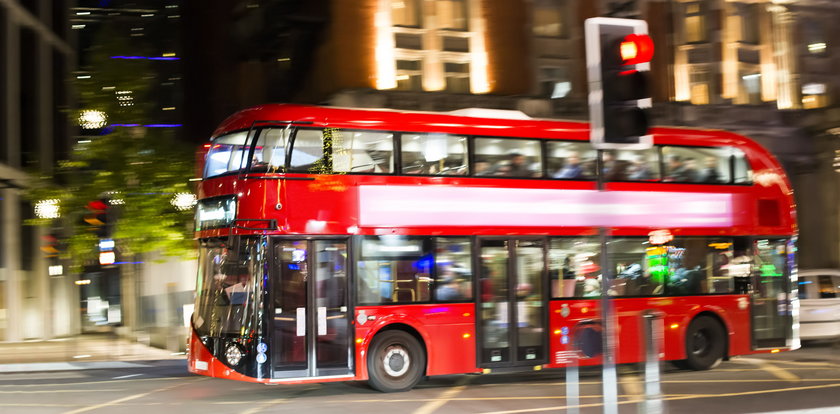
(440, 50)
(749, 17)
(409, 75)
(457, 77)
(405, 13)
(699, 84)
(814, 95)
(695, 22)
(749, 89)
(549, 18)
(451, 14)
(813, 34)
(555, 82)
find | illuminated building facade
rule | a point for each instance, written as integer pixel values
(765, 64)
(36, 57)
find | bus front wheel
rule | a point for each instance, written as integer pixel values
(705, 344)
(396, 361)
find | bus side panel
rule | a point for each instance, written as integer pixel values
(676, 313)
(448, 332)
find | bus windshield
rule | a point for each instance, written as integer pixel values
(227, 282)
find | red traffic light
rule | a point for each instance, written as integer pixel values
(635, 49)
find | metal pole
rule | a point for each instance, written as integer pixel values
(609, 379)
(572, 388)
(653, 392)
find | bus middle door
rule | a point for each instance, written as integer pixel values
(512, 302)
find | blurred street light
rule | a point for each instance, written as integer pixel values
(47, 209)
(184, 201)
(92, 119)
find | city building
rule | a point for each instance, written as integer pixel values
(36, 57)
(765, 64)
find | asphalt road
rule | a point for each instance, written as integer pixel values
(803, 380)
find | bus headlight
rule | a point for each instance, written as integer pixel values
(233, 354)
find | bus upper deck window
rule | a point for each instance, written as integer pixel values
(308, 151)
(227, 153)
(741, 167)
(270, 151)
(363, 151)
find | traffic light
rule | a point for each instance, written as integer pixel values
(50, 245)
(618, 54)
(97, 217)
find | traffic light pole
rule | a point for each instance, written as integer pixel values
(609, 381)
(618, 53)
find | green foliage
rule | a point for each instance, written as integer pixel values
(139, 169)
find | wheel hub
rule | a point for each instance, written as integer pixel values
(701, 343)
(396, 361)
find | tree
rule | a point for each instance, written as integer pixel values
(139, 170)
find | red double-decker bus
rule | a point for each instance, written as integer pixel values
(347, 244)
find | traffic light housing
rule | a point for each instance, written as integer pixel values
(97, 217)
(618, 54)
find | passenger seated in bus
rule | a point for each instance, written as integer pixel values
(710, 173)
(515, 166)
(678, 171)
(572, 167)
(640, 169)
(450, 284)
(482, 168)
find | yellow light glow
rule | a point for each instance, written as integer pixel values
(775, 351)
(675, 325)
(386, 66)
(557, 332)
(628, 50)
(359, 340)
(82, 282)
(170, 54)
(466, 314)
(584, 310)
(467, 335)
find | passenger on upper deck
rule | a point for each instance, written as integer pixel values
(516, 166)
(572, 168)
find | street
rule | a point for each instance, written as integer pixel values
(808, 378)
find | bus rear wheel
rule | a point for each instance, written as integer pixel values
(396, 361)
(705, 344)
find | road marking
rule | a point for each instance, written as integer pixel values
(41, 385)
(127, 376)
(445, 397)
(128, 398)
(265, 405)
(773, 369)
(632, 386)
(673, 398)
(61, 391)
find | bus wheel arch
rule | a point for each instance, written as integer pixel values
(706, 342)
(396, 359)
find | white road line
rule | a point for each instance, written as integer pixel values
(124, 399)
(127, 376)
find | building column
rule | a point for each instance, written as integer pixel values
(784, 52)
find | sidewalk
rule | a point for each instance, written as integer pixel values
(87, 351)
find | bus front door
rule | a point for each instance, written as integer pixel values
(512, 303)
(771, 300)
(311, 332)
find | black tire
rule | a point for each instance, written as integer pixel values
(396, 361)
(705, 344)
